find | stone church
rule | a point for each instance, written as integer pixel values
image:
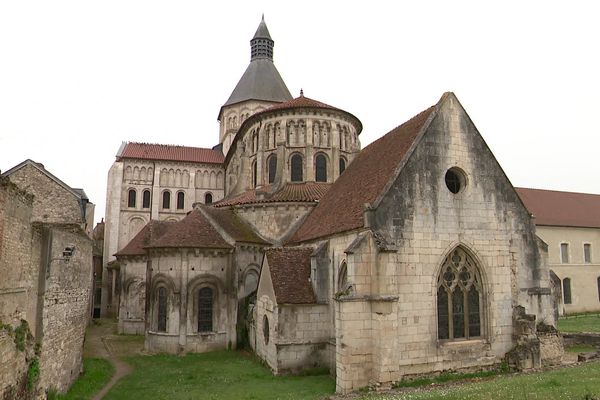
(410, 256)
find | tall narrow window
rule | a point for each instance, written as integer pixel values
(343, 277)
(342, 165)
(205, 310)
(564, 253)
(208, 198)
(297, 166)
(254, 174)
(272, 168)
(587, 253)
(180, 201)
(162, 310)
(166, 199)
(321, 168)
(598, 288)
(567, 290)
(459, 297)
(131, 197)
(146, 199)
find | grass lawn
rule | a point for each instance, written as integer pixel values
(580, 348)
(573, 383)
(96, 373)
(580, 323)
(213, 376)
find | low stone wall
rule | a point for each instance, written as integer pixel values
(132, 326)
(292, 358)
(592, 339)
(159, 342)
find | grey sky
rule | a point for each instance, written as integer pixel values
(79, 77)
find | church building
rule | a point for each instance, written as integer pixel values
(413, 255)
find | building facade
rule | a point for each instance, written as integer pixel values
(46, 269)
(413, 255)
(570, 225)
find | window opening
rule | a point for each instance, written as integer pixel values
(205, 310)
(146, 199)
(180, 201)
(166, 200)
(297, 168)
(321, 168)
(272, 168)
(131, 197)
(162, 309)
(567, 290)
(266, 329)
(587, 253)
(564, 253)
(208, 198)
(342, 165)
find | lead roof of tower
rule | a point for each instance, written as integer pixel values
(261, 80)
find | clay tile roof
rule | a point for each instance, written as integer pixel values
(555, 208)
(167, 152)
(290, 273)
(152, 231)
(301, 102)
(193, 231)
(290, 192)
(341, 209)
(234, 225)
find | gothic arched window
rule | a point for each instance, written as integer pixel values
(162, 310)
(254, 174)
(180, 201)
(205, 310)
(321, 168)
(146, 199)
(459, 297)
(131, 197)
(166, 199)
(296, 168)
(272, 166)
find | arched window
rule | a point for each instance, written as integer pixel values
(162, 309)
(180, 201)
(166, 199)
(146, 199)
(205, 310)
(567, 290)
(343, 277)
(272, 167)
(131, 197)
(208, 198)
(342, 165)
(297, 167)
(266, 329)
(321, 168)
(254, 174)
(459, 297)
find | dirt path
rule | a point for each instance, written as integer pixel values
(102, 341)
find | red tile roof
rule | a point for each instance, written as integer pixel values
(554, 208)
(300, 102)
(193, 231)
(290, 274)
(235, 226)
(167, 152)
(341, 209)
(290, 192)
(152, 231)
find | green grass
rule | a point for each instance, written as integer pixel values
(580, 323)
(96, 373)
(580, 348)
(568, 383)
(213, 376)
(451, 376)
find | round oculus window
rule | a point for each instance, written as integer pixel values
(455, 180)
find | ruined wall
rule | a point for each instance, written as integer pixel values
(132, 307)
(18, 286)
(66, 308)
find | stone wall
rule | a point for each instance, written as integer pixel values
(274, 221)
(66, 309)
(14, 369)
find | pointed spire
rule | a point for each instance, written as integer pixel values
(261, 45)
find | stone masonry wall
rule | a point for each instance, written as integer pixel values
(274, 221)
(66, 309)
(53, 203)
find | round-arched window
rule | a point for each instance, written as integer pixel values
(266, 329)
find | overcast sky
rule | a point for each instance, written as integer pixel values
(79, 77)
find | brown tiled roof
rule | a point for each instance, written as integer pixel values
(193, 231)
(290, 192)
(341, 209)
(233, 225)
(152, 231)
(300, 102)
(167, 152)
(290, 273)
(555, 208)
